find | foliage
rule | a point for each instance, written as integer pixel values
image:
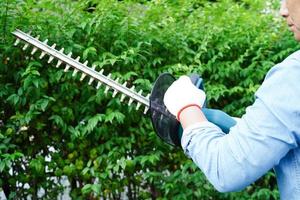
(54, 126)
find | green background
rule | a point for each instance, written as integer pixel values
(53, 126)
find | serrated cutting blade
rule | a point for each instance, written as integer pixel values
(83, 68)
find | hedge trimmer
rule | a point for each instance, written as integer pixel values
(164, 123)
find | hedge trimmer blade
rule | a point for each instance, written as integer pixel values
(77, 66)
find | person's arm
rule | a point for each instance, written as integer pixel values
(233, 161)
(261, 138)
(190, 116)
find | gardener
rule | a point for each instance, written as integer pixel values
(267, 136)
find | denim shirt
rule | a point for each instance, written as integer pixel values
(267, 136)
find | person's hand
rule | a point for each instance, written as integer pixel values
(183, 94)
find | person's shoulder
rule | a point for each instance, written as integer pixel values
(280, 91)
(283, 78)
(294, 56)
(288, 69)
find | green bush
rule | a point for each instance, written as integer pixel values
(105, 148)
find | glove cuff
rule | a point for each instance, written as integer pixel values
(183, 108)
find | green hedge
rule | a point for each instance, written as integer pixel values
(105, 148)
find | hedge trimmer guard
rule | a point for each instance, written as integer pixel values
(165, 124)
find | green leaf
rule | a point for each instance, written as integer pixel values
(89, 50)
(57, 120)
(36, 82)
(87, 188)
(2, 165)
(14, 99)
(96, 188)
(115, 116)
(92, 123)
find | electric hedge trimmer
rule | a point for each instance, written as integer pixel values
(164, 123)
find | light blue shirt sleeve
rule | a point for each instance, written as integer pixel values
(261, 138)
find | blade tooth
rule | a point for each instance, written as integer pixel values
(147, 97)
(75, 72)
(90, 81)
(115, 93)
(132, 88)
(34, 50)
(82, 76)
(25, 47)
(85, 63)
(108, 76)
(58, 63)
(67, 68)
(78, 58)
(146, 109)
(53, 46)
(130, 101)
(62, 50)
(42, 54)
(123, 97)
(17, 42)
(37, 37)
(50, 59)
(101, 71)
(106, 89)
(138, 106)
(69, 54)
(98, 85)
(124, 84)
(45, 41)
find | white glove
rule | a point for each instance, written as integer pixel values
(182, 94)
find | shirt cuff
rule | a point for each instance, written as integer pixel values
(195, 129)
